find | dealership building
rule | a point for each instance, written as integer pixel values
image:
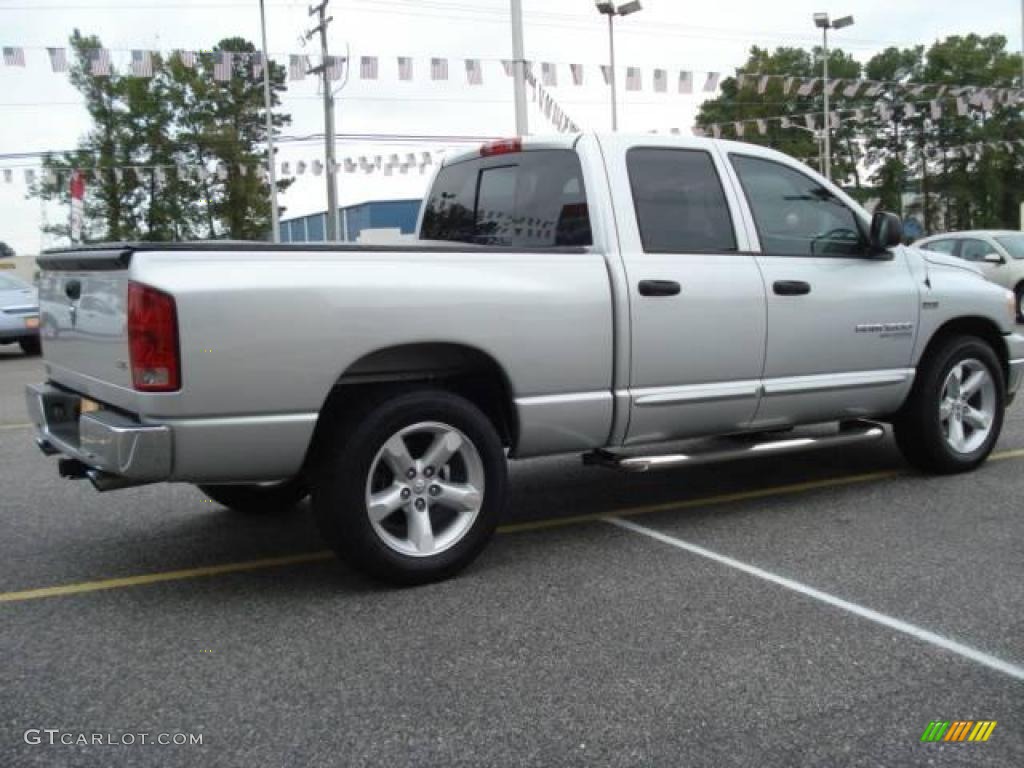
(374, 221)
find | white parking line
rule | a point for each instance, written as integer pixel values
(1007, 668)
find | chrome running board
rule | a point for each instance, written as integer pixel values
(849, 433)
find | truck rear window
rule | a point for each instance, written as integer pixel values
(529, 199)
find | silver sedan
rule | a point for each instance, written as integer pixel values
(19, 313)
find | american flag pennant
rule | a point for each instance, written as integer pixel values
(474, 73)
(787, 85)
(834, 119)
(606, 73)
(368, 68)
(634, 79)
(439, 69)
(14, 57)
(257, 65)
(858, 114)
(300, 167)
(875, 89)
(318, 168)
(577, 73)
(8, 175)
(806, 87)
(961, 106)
(685, 82)
(222, 66)
(549, 74)
(909, 110)
(917, 90)
(335, 67)
(936, 109)
(187, 58)
(831, 85)
(762, 84)
(739, 128)
(159, 175)
(405, 70)
(741, 81)
(118, 175)
(507, 65)
(243, 170)
(785, 122)
(711, 83)
(884, 111)
(660, 81)
(297, 66)
(851, 90)
(30, 176)
(222, 172)
(762, 127)
(349, 165)
(716, 131)
(810, 122)
(941, 91)
(142, 63)
(286, 168)
(99, 62)
(58, 59)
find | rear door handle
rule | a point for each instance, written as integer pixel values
(659, 288)
(791, 288)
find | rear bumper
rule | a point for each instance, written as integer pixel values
(104, 440)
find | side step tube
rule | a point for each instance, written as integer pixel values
(849, 433)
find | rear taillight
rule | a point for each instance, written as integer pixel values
(153, 339)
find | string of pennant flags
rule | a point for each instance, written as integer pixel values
(961, 103)
(140, 63)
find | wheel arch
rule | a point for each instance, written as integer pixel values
(460, 368)
(980, 327)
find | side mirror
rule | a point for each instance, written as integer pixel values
(886, 231)
(992, 258)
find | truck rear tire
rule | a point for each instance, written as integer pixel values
(31, 346)
(259, 498)
(409, 490)
(954, 414)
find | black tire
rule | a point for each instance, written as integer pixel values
(346, 456)
(918, 427)
(1020, 302)
(258, 499)
(31, 346)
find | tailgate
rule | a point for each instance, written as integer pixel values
(82, 312)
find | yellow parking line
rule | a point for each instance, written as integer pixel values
(155, 578)
(311, 557)
(5, 427)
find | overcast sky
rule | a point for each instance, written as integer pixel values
(41, 111)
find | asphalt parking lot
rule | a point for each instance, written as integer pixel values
(813, 610)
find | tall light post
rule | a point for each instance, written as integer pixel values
(822, 21)
(519, 68)
(275, 221)
(611, 11)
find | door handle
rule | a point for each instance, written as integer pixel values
(791, 288)
(659, 288)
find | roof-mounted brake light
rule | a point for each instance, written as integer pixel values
(503, 147)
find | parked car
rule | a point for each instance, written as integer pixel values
(19, 313)
(602, 295)
(999, 253)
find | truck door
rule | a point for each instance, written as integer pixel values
(696, 298)
(841, 322)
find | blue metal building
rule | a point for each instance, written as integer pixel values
(376, 214)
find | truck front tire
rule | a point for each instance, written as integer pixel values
(953, 417)
(409, 490)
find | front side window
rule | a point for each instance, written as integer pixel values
(972, 249)
(1014, 245)
(680, 205)
(795, 215)
(941, 246)
(526, 199)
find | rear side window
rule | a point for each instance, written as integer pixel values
(975, 250)
(941, 246)
(529, 199)
(794, 214)
(679, 201)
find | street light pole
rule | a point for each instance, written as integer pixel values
(275, 221)
(822, 21)
(519, 69)
(611, 11)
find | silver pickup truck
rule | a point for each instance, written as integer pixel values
(604, 295)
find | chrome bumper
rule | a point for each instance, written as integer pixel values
(104, 440)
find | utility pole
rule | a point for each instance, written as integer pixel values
(519, 68)
(275, 219)
(323, 71)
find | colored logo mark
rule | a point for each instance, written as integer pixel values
(958, 730)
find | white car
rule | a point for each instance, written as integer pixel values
(998, 252)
